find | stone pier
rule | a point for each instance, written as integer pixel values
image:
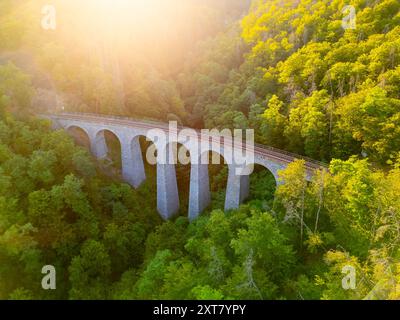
(132, 162)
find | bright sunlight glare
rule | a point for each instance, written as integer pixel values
(127, 25)
(130, 16)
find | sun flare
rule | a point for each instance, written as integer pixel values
(127, 23)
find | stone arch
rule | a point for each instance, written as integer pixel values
(75, 126)
(272, 169)
(80, 134)
(108, 145)
(255, 173)
(238, 189)
(103, 131)
(208, 176)
(140, 142)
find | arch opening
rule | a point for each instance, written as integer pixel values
(80, 136)
(263, 185)
(112, 158)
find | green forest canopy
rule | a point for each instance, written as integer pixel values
(287, 69)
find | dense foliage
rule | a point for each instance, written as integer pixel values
(305, 84)
(290, 71)
(58, 209)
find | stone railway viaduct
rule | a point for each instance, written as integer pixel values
(128, 132)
